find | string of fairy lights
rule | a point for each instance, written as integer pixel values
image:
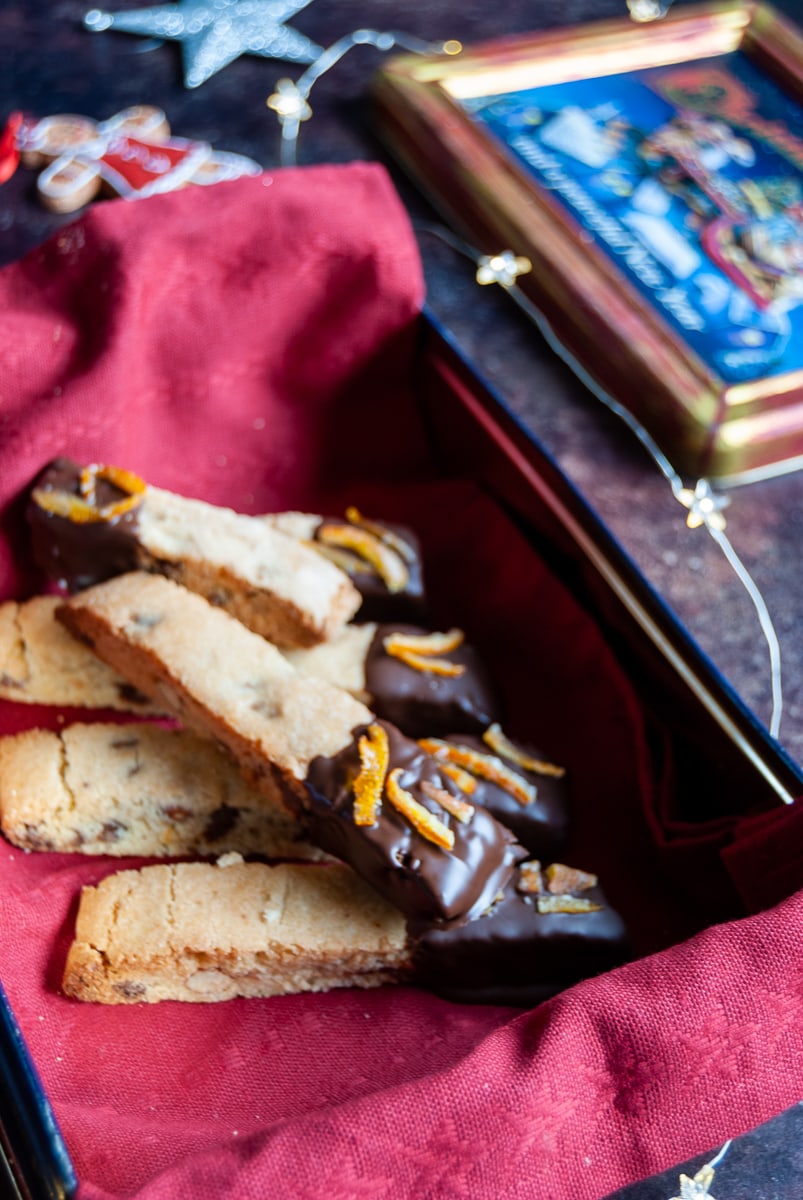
(704, 506)
(213, 33)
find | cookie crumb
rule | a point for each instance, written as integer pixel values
(231, 859)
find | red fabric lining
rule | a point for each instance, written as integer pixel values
(765, 858)
(252, 344)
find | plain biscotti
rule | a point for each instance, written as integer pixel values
(136, 789)
(272, 583)
(204, 932)
(41, 663)
(214, 673)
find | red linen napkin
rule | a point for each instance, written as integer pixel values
(253, 344)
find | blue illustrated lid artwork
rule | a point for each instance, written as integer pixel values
(689, 178)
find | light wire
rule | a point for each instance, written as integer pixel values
(380, 40)
(680, 492)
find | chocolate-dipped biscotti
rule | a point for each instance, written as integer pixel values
(89, 524)
(136, 789)
(414, 839)
(549, 928)
(424, 683)
(382, 560)
(203, 932)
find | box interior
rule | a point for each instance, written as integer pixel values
(627, 748)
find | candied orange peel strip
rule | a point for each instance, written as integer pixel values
(561, 879)
(530, 878)
(402, 548)
(82, 509)
(466, 782)
(418, 651)
(65, 504)
(497, 740)
(566, 904)
(125, 480)
(432, 666)
(352, 564)
(374, 752)
(421, 819)
(455, 807)
(485, 766)
(425, 643)
(389, 565)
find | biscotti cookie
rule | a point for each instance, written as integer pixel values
(91, 524)
(424, 683)
(136, 789)
(549, 928)
(202, 932)
(41, 663)
(410, 835)
(382, 560)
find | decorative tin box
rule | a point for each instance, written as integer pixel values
(653, 177)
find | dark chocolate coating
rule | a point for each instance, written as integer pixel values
(424, 881)
(79, 555)
(379, 604)
(540, 826)
(516, 955)
(421, 703)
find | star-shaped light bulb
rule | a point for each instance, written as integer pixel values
(288, 102)
(213, 33)
(647, 10)
(503, 268)
(705, 508)
(696, 1188)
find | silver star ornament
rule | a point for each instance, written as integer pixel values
(213, 33)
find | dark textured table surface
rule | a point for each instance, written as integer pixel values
(49, 64)
(766, 1164)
